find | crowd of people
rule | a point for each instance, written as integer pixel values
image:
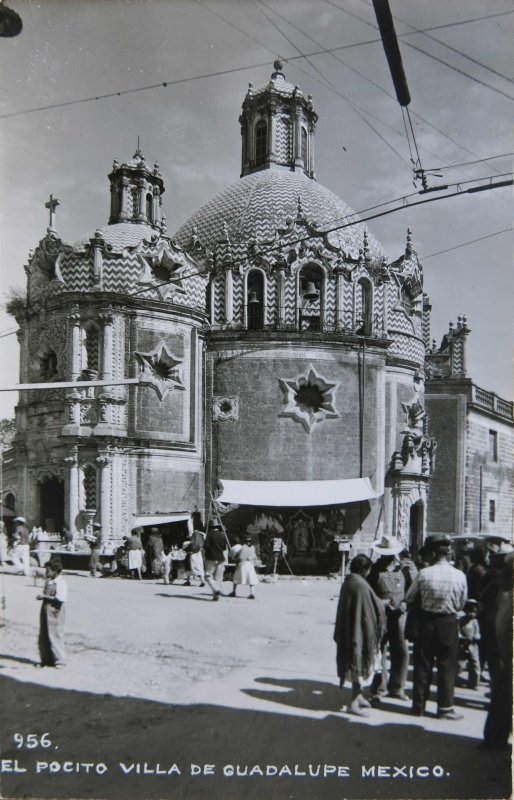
(456, 610)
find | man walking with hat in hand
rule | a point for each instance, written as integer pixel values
(388, 582)
(442, 592)
(214, 550)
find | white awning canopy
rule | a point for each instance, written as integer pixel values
(142, 520)
(297, 493)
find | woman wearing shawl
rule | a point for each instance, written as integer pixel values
(360, 626)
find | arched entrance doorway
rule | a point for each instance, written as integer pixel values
(51, 504)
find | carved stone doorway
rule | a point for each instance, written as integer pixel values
(416, 527)
(51, 504)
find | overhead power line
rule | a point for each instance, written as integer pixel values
(459, 71)
(469, 163)
(465, 244)
(327, 81)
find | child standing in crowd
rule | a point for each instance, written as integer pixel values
(51, 630)
(469, 637)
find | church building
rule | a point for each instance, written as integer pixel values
(269, 355)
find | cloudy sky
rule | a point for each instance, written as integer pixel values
(459, 65)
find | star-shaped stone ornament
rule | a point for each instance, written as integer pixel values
(309, 398)
(161, 369)
(160, 268)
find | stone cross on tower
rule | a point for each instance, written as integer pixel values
(52, 205)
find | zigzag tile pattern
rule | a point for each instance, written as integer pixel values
(283, 139)
(289, 299)
(271, 301)
(330, 302)
(254, 206)
(122, 269)
(218, 288)
(238, 299)
(406, 347)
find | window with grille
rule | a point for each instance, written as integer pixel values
(493, 446)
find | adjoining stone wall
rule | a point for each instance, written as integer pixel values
(446, 425)
(493, 477)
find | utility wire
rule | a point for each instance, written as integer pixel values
(449, 47)
(459, 71)
(469, 163)
(465, 244)
(419, 116)
(165, 84)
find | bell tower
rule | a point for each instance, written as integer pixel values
(277, 127)
(136, 192)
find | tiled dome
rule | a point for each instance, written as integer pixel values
(120, 236)
(256, 205)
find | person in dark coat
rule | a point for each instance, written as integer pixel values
(498, 725)
(360, 626)
(214, 550)
(155, 549)
(388, 582)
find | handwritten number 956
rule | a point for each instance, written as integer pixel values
(31, 741)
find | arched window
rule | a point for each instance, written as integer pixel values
(48, 365)
(91, 349)
(261, 136)
(364, 308)
(309, 301)
(255, 300)
(304, 148)
(406, 301)
(135, 203)
(149, 208)
(89, 487)
(9, 501)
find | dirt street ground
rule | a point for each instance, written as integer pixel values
(167, 694)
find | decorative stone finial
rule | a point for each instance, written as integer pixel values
(450, 327)
(464, 322)
(408, 246)
(163, 223)
(277, 65)
(115, 163)
(365, 245)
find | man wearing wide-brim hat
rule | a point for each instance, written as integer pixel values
(388, 582)
(442, 591)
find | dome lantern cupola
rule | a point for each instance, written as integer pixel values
(136, 192)
(277, 127)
